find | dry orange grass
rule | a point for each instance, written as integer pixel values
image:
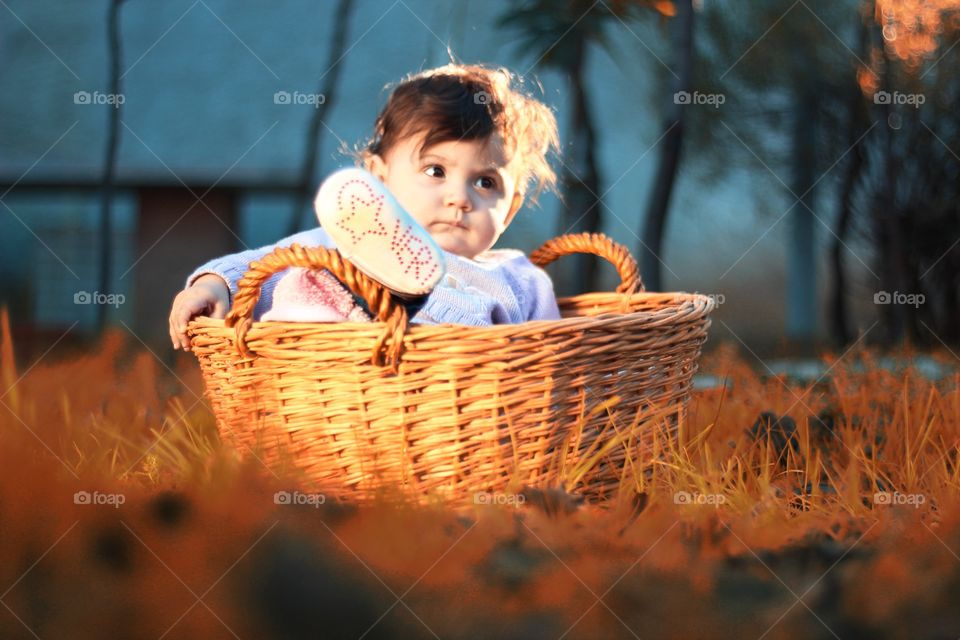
(732, 534)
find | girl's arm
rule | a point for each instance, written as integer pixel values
(210, 288)
(232, 267)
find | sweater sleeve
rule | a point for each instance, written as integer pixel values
(232, 267)
(538, 301)
(497, 287)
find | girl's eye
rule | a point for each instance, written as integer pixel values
(438, 168)
(486, 182)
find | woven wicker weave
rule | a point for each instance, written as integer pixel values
(447, 410)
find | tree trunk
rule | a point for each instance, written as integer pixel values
(670, 148)
(109, 163)
(801, 259)
(581, 182)
(892, 271)
(839, 320)
(305, 187)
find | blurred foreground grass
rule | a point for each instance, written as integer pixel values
(782, 510)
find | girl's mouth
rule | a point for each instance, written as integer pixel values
(444, 225)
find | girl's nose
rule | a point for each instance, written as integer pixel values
(458, 198)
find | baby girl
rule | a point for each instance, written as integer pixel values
(454, 154)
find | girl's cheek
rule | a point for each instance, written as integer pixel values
(487, 202)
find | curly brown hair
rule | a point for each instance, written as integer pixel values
(471, 102)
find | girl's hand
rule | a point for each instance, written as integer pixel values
(209, 296)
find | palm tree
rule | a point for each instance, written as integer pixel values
(670, 146)
(330, 79)
(907, 196)
(110, 160)
(857, 119)
(801, 103)
(560, 33)
(787, 83)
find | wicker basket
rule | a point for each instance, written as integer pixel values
(449, 411)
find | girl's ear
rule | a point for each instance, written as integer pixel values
(515, 205)
(375, 165)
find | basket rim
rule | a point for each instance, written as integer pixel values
(656, 296)
(669, 301)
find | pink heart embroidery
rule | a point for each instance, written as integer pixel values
(363, 210)
(362, 214)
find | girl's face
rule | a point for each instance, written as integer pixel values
(459, 191)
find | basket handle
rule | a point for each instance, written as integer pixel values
(377, 297)
(597, 244)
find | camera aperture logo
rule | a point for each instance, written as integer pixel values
(97, 498)
(86, 97)
(85, 297)
(297, 497)
(298, 97)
